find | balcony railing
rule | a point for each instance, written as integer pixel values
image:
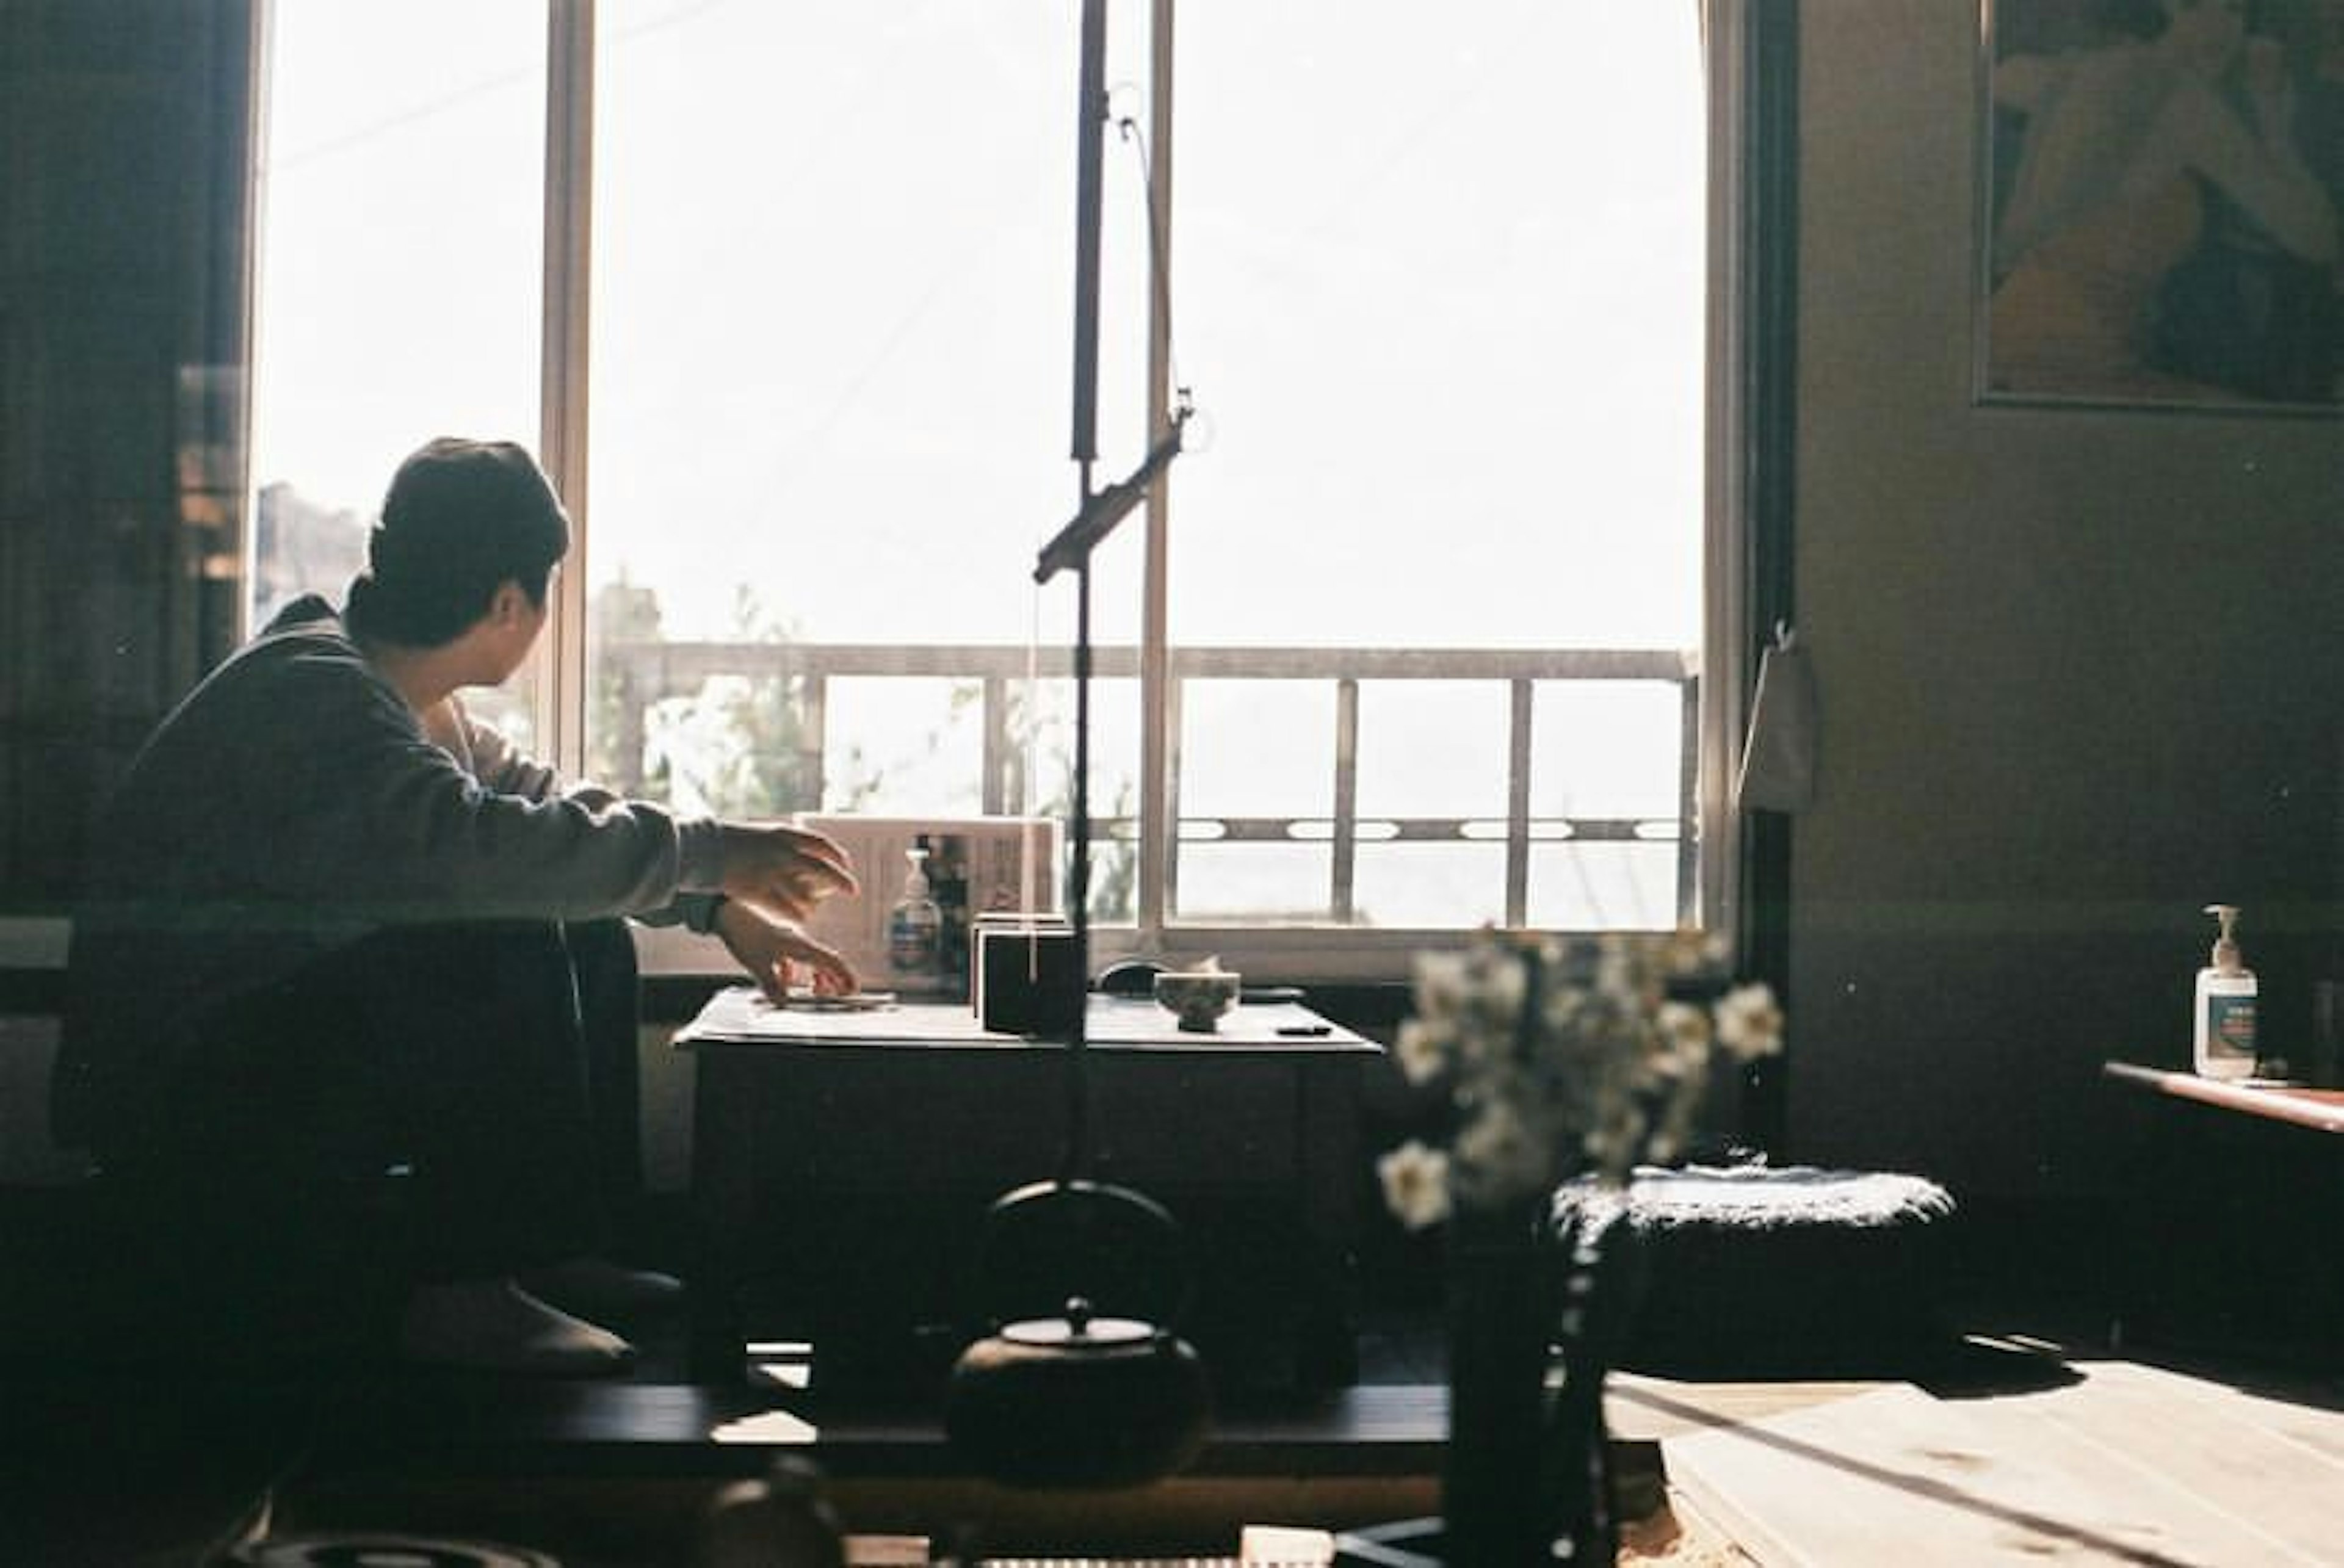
(640, 674)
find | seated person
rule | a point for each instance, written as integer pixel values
(334, 924)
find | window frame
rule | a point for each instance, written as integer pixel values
(1327, 952)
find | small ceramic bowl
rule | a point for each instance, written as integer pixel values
(1199, 997)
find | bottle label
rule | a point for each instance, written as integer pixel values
(2230, 1026)
(912, 939)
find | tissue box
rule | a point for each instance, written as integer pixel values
(1028, 979)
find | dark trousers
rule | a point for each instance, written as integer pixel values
(487, 1072)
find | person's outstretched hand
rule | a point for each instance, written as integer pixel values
(783, 870)
(775, 952)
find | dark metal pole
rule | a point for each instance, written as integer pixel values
(1090, 132)
(1090, 124)
(1078, 890)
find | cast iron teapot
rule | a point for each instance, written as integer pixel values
(1078, 1385)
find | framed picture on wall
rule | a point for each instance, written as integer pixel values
(2162, 198)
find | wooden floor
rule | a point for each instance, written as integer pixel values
(2108, 1462)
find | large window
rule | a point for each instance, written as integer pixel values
(1440, 276)
(828, 408)
(1412, 638)
(400, 267)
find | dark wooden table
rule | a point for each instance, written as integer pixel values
(2321, 1110)
(2232, 1215)
(842, 1163)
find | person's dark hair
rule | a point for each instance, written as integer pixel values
(461, 518)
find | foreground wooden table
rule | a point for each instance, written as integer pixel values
(2121, 1465)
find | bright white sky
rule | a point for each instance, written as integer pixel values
(1437, 286)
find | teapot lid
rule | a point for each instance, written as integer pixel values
(1078, 1329)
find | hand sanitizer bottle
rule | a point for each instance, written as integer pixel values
(914, 922)
(2224, 1043)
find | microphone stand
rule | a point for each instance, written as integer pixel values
(1095, 518)
(1028, 1403)
(1071, 546)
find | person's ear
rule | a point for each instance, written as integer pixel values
(508, 605)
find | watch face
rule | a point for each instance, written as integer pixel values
(375, 1549)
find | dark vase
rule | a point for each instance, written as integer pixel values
(1527, 1467)
(1504, 1287)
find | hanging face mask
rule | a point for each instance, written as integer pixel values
(1778, 763)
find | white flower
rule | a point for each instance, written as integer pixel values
(1416, 1183)
(1561, 1056)
(1565, 1009)
(1684, 1027)
(1499, 1155)
(1615, 968)
(1502, 986)
(1443, 984)
(1421, 1051)
(1750, 1022)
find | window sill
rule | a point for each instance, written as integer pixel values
(1280, 954)
(681, 969)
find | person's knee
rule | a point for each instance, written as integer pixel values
(603, 948)
(603, 954)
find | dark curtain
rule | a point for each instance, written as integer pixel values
(126, 201)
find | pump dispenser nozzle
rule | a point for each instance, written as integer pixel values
(2223, 1036)
(2226, 960)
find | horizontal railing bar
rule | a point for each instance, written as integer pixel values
(1374, 830)
(696, 661)
(1672, 665)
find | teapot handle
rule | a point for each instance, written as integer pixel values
(1048, 1242)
